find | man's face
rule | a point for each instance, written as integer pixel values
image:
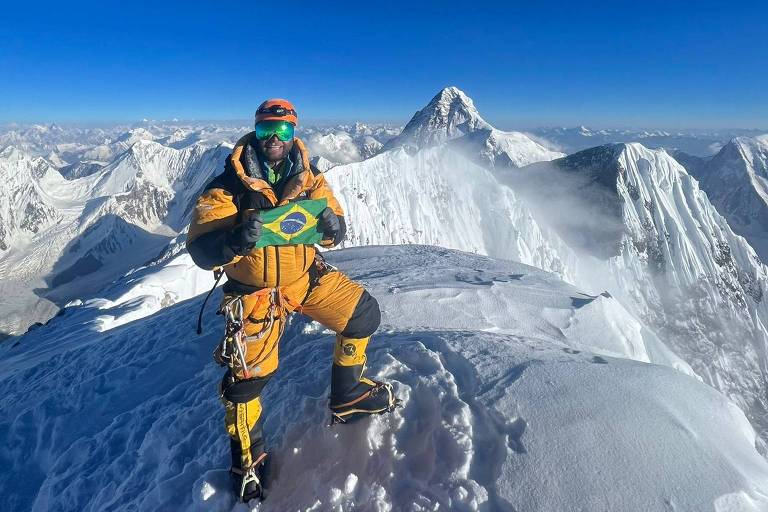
(274, 149)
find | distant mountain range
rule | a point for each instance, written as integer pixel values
(619, 218)
(642, 254)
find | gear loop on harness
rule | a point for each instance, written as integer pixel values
(234, 346)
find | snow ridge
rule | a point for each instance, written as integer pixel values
(667, 254)
(487, 415)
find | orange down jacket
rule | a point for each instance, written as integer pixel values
(218, 211)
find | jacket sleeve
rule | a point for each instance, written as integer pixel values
(321, 190)
(213, 218)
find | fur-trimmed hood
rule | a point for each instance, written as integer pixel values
(299, 176)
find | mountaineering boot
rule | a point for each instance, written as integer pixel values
(247, 447)
(250, 484)
(354, 396)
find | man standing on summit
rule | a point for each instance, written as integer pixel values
(267, 281)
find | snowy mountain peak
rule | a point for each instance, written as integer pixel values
(135, 135)
(453, 97)
(600, 163)
(736, 181)
(604, 164)
(450, 114)
(12, 154)
(754, 151)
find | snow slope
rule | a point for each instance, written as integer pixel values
(505, 407)
(437, 196)
(621, 218)
(650, 236)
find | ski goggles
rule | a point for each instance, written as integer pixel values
(266, 129)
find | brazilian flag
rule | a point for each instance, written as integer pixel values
(292, 224)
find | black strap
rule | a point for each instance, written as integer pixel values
(217, 273)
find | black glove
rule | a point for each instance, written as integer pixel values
(333, 227)
(242, 240)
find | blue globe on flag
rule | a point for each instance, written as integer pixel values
(293, 223)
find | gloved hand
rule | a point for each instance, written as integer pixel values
(242, 240)
(332, 226)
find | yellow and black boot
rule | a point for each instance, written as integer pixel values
(249, 457)
(352, 395)
(249, 480)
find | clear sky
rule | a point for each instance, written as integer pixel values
(526, 64)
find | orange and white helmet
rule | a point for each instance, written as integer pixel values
(277, 109)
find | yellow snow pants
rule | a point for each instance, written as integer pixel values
(333, 300)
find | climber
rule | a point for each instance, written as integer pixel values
(269, 168)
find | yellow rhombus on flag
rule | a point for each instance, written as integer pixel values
(292, 224)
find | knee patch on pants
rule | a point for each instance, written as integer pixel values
(244, 390)
(349, 351)
(365, 318)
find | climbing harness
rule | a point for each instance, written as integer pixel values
(234, 346)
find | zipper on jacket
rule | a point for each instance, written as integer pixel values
(304, 267)
(277, 265)
(264, 249)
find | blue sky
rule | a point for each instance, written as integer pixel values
(526, 64)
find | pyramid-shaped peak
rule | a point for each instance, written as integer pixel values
(450, 114)
(451, 94)
(452, 102)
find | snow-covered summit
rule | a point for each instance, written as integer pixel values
(702, 143)
(135, 135)
(338, 147)
(503, 389)
(451, 116)
(26, 207)
(736, 181)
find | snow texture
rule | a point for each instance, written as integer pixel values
(501, 412)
